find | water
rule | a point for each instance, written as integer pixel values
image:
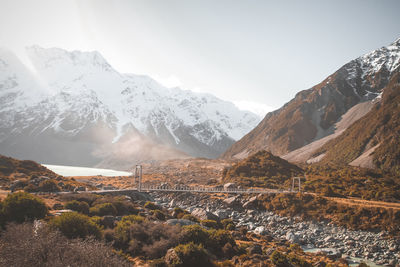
(83, 171)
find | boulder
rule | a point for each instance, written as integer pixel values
(229, 186)
(251, 203)
(222, 214)
(260, 230)
(290, 236)
(202, 214)
(171, 257)
(232, 201)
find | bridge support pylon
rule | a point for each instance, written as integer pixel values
(138, 177)
(293, 183)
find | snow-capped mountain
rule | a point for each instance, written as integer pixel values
(317, 115)
(74, 108)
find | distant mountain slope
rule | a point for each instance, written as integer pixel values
(374, 140)
(73, 108)
(261, 169)
(314, 113)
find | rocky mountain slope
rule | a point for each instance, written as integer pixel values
(323, 112)
(374, 140)
(74, 108)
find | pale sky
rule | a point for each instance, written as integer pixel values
(256, 53)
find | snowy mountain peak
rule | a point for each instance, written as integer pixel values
(387, 56)
(54, 57)
(88, 100)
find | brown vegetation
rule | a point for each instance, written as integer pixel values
(262, 170)
(381, 127)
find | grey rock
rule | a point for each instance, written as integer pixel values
(202, 214)
(222, 214)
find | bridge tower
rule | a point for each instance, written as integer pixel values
(138, 177)
(293, 183)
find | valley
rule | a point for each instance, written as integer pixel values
(199, 134)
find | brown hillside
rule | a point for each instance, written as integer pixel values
(374, 139)
(261, 169)
(312, 114)
(10, 166)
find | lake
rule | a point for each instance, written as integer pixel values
(84, 171)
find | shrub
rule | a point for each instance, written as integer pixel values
(132, 219)
(151, 206)
(88, 198)
(196, 234)
(228, 224)
(48, 186)
(103, 209)
(159, 215)
(190, 217)
(73, 225)
(25, 245)
(279, 259)
(21, 206)
(211, 224)
(145, 238)
(189, 255)
(30, 188)
(178, 213)
(79, 206)
(218, 239)
(123, 206)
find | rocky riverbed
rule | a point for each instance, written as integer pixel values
(377, 247)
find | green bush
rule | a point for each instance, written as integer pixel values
(159, 215)
(218, 239)
(279, 259)
(211, 224)
(124, 208)
(21, 206)
(190, 217)
(178, 213)
(73, 225)
(151, 206)
(145, 238)
(228, 224)
(196, 234)
(189, 255)
(103, 210)
(48, 186)
(79, 206)
(132, 219)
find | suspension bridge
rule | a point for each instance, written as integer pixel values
(140, 187)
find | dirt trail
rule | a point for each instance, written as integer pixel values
(366, 203)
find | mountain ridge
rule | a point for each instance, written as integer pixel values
(85, 105)
(313, 113)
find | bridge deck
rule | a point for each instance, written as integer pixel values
(199, 190)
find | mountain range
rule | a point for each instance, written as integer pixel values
(74, 108)
(351, 117)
